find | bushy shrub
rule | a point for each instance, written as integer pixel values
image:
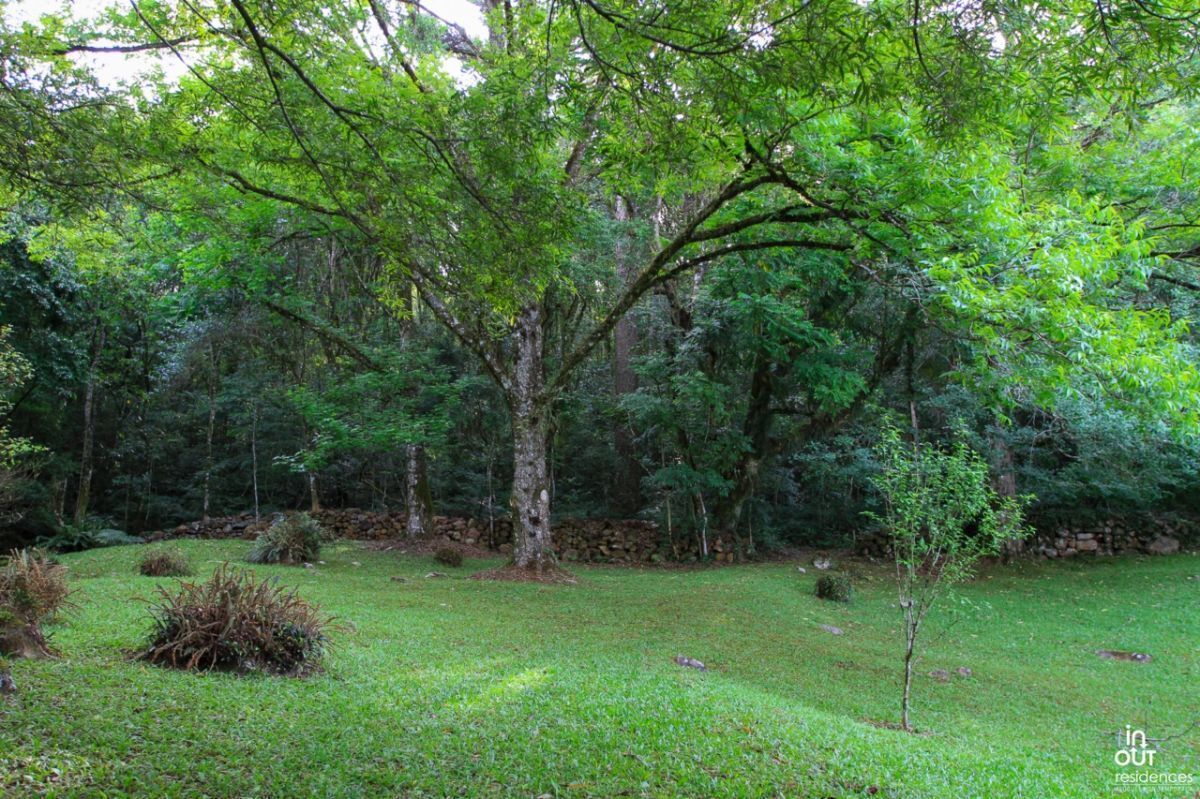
(294, 538)
(448, 556)
(164, 563)
(33, 588)
(835, 588)
(237, 622)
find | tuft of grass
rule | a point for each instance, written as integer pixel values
(294, 538)
(501, 689)
(448, 556)
(834, 587)
(33, 586)
(33, 589)
(164, 563)
(237, 622)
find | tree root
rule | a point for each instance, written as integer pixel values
(547, 573)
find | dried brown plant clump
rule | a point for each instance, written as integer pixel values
(237, 622)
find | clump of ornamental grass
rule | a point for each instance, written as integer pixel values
(835, 588)
(236, 622)
(294, 538)
(164, 563)
(33, 589)
(448, 556)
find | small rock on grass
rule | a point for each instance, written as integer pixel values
(963, 671)
(829, 628)
(941, 675)
(398, 579)
(1113, 654)
(7, 685)
(434, 575)
(802, 570)
(690, 663)
(824, 564)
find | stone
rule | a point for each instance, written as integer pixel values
(829, 628)
(399, 579)
(7, 684)
(824, 564)
(802, 570)
(941, 675)
(1163, 545)
(690, 663)
(1116, 654)
(963, 671)
(1088, 545)
(435, 575)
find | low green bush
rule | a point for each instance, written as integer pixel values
(834, 587)
(93, 532)
(294, 538)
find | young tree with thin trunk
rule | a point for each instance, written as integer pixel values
(87, 448)
(212, 381)
(941, 515)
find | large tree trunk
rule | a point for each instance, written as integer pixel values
(83, 497)
(532, 547)
(418, 499)
(627, 497)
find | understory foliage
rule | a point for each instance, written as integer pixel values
(293, 538)
(164, 563)
(17, 454)
(91, 533)
(238, 622)
(834, 587)
(942, 515)
(33, 589)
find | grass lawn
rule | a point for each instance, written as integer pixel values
(455, 687)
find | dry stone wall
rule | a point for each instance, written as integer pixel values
(1112, 536)
(576, 540)
(1117, 535)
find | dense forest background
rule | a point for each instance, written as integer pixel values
(741, 384)
(694, 264)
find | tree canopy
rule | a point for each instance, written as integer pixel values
(815, 191)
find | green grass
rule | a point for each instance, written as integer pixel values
(463, 688)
